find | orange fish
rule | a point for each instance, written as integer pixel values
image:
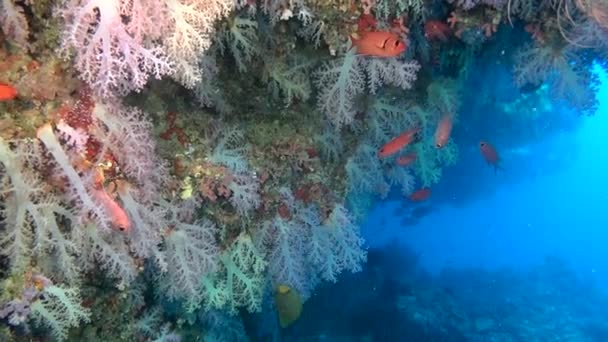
(420, 195)
(396, 144)
(436, 29)
(378, 44)
(7, 92)
(117, 214)
(407, 159)
(489, 154)
(444, 128)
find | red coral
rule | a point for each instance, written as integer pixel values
(303, 194)
(283, 211)
(80, 116)
(173, 128)
(214, 182)
(366, 22)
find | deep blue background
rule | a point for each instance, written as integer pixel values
(552, 199)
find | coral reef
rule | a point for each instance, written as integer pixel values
(165, 165)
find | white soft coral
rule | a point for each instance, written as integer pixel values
(303, 250)
(127, 133)
(60, 309)
(192, 254)
(240, 281)
(113, 42)
(193, 24)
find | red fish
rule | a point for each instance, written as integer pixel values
(435, 29)
(489, 154)
(407, 159)
(420, 195)
(396, 144)
(444, 129)
(7, 92)
(379, 44)
(118, 216)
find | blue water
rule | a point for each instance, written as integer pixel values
(550, 201)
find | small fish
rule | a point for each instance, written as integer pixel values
(435, 29)
(407, 159)
(117, 214)
(489, 154)
(444, 129)
(7, 92)
(397, 143)
(420, 195)
(288, 304)
(378, 44)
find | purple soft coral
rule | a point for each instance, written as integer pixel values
(112, 41)
(18, 310)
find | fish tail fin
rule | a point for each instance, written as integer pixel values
(354, 39)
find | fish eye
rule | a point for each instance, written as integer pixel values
(122, 228)
(397, 43)
(439, 145)
(482, 144)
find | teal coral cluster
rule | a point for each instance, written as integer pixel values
(202, 158)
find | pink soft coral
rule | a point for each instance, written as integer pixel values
(113, 41)
(13, 22)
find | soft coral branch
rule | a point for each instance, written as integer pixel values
(13, 22)
(193, 28)
(112, 41)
